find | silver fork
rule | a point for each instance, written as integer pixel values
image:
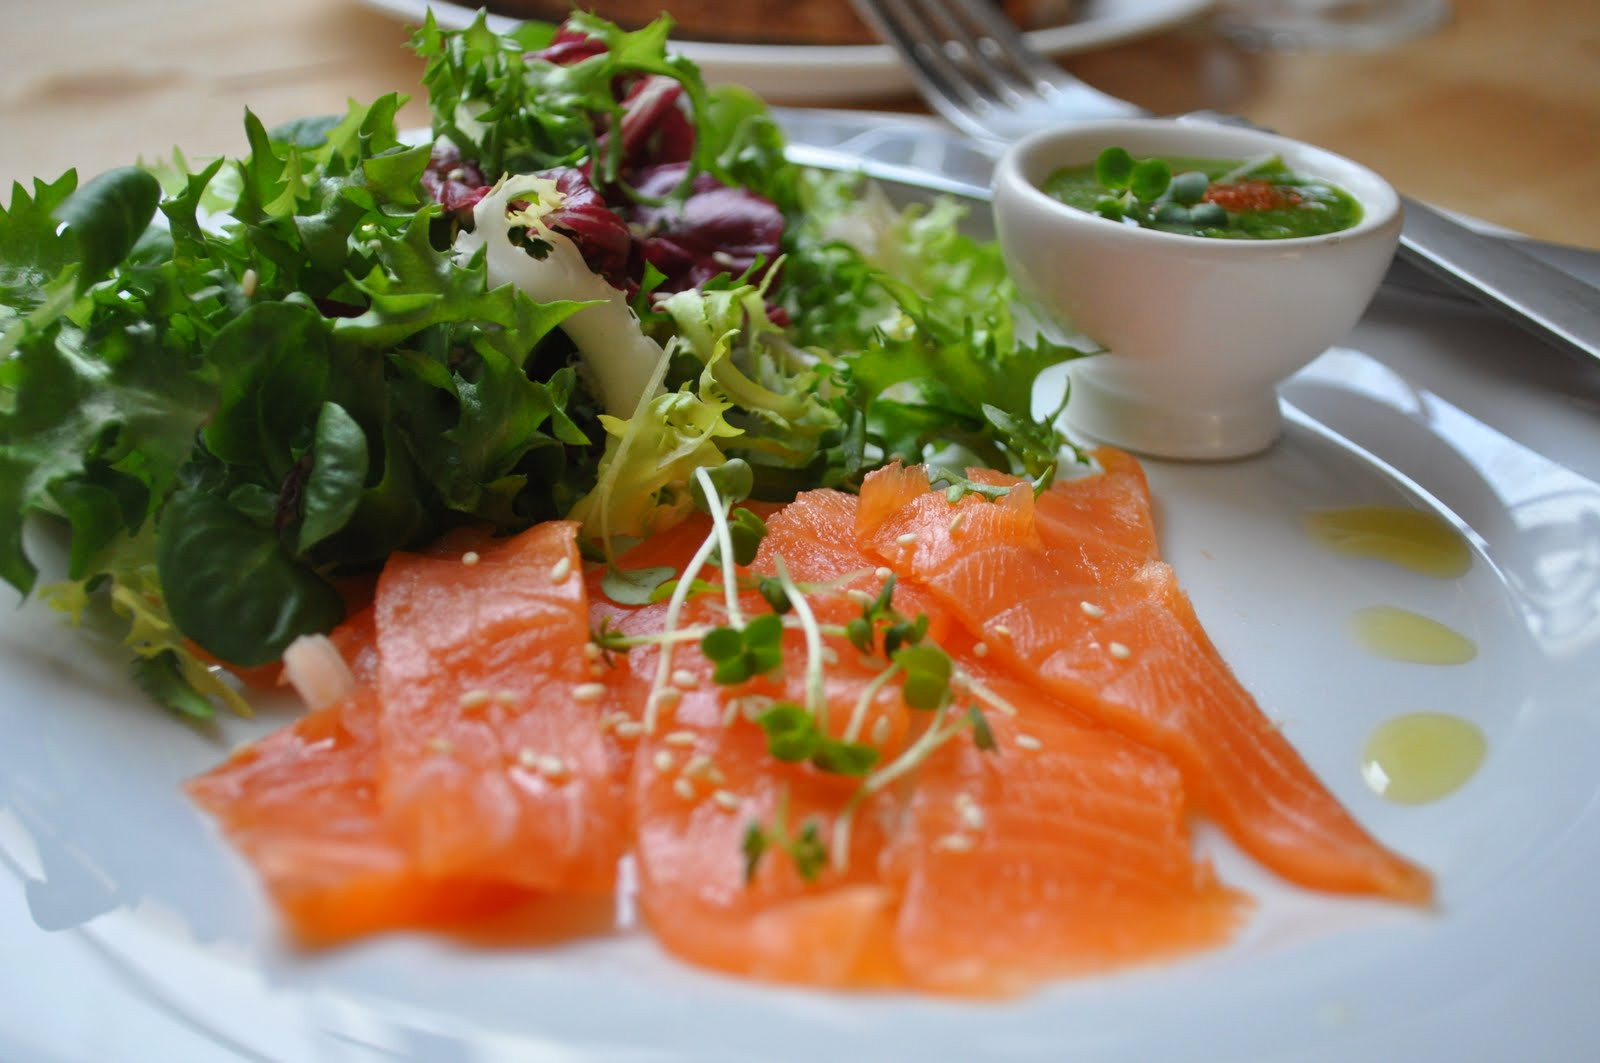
(975, 69)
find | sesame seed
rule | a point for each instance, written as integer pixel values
(883, 572)
(1002, 631)
(680, 738)
(955, 843)
(663, 760)
(755, 705)
(249, 282)
(683, 788)
(907, 539)
(957, 521)
(1119, 651)
(859, 596)
(474, 699)
(726, 800)
(597, 669)
(441, 745)
(588, 691)
(880, 730)
(686, 679)
(980, 649)
(970, 813)
(714, 776)
(592, 651)
(1091, 610)
(1024, 741)
(885, 696)
(698, 765)
(666, 696)
(552, 767)
(506, 697)
(629, 729)
(470, 558)
(527, 758)
(614, 719)
(561, 570)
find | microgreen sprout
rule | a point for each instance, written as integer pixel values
(793, 736)
(816, 691)
(791, 731)
(858, 716)
(736, 479)
(960, 486)
(927, 669)
(806, 849)
(744, 653)
(772, 591)
(941, 729)
(1146, 192)
(879, 616)
(982, 733)
(669, 624)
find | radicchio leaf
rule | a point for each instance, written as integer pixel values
(716, 230)
(568, 47)
(654, 128)
(600, 234)
(453, 182)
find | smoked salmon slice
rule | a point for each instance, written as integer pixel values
(301, 805)
(1064, 851)
(700, 787)
(704, 778)
(1128, 651)
(514, 735)
(492, 760)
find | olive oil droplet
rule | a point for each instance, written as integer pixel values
(1422, 756)
(1411, 538)
(1401, 635)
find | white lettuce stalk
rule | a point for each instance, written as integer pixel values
(619, 360)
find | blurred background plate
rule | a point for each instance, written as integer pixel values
(811, 73)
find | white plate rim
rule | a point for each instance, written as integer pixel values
(796, 73)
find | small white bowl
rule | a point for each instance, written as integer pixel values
(1198, 331)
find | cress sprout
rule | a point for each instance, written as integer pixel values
(1147, 192)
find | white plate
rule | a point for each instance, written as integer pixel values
(814, 73)
(130, 932)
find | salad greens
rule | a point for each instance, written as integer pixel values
(241, 385)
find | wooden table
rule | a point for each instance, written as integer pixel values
(1496, 114)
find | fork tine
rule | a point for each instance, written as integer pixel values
(997, 82)
(973, 66)
(948, 87)
(1001, 39)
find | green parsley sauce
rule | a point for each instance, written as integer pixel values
(1263, 199)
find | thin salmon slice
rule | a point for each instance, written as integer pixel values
(492, 761)
(815, 535)
(1130, 653)
(1101, 527)
(705, 776)
(1063, 852)
(689, 851)
(301, 806)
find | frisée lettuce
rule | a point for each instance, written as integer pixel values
(241, 386)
